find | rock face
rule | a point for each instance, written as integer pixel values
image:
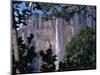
(43, 31)
(57, 32)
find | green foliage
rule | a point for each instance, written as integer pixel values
(80, 53)
(47, 6)
(48, 61)
(21, 17)
(26, 55)
(47, 17)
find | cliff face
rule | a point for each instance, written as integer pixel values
(45, 34)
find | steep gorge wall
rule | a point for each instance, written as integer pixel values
(45, 32)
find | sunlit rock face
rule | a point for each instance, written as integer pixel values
(57, 32)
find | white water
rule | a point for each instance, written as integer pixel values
(57, 45)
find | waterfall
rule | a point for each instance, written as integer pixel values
(59, 41)
(57, 45)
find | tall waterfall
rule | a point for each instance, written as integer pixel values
(59, 41)
(57, 45)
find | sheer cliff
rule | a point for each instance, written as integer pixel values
(57, 32)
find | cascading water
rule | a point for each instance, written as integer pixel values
(59, 41)
(57, 45)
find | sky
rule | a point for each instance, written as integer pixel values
(23, 6)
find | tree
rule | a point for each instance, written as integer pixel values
(74, 53)
(25, 60)
(15, 23)
(80, 53)
(48, 61)
(26, 55)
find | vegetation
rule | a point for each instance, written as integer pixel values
(80, 53)
(48, 61)
(26, 56)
